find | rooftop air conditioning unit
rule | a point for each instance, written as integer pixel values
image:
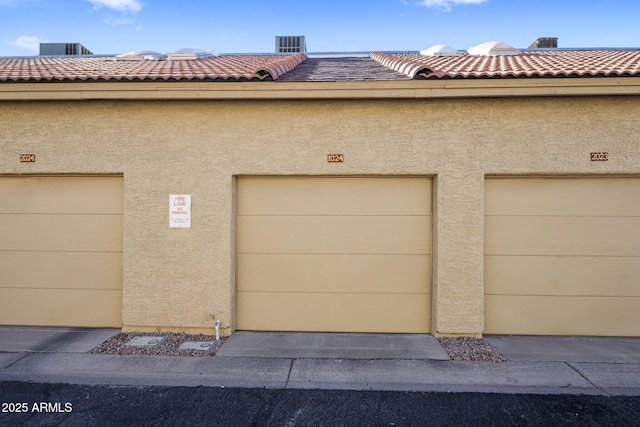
(290, 44)
(544, 43)
(64, 49)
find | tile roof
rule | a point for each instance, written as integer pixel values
(229, 68)
(300, 68)
(547, 63)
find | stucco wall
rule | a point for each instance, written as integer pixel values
(175, 278)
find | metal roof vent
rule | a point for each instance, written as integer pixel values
(189, 53)
(493, 49)
(441, 50)
(290, 44)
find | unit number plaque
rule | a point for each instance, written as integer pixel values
(599, 157)
(335, 158)
(27, 158)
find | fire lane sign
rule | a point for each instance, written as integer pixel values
(180, 211)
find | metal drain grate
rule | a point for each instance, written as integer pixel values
(146, 341)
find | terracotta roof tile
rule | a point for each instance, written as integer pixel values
(403, 64)
(56, 69)
(379, 66)
(547, 63)
(283, 65)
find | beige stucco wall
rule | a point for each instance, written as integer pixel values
(175, 278)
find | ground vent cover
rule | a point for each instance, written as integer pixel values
(146, 341)
(196, 345)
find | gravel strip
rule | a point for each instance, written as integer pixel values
(459, 348)
(471, 349)
(169, 347)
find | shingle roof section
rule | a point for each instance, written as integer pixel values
(341, 69)
(551, 63)
(229, 68)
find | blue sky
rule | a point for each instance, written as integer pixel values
(235, 26)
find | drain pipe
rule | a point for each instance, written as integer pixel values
(217, 326)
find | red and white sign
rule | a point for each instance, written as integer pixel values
(180, 211)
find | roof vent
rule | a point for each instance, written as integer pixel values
(441, 50)
(493, 49)
(544, 43)
(140, 55)
(290, 44)
(189, 53)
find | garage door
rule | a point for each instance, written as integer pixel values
(562, 256)
(61, 251)
(334, 254)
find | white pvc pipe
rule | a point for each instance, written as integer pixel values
(217, 326)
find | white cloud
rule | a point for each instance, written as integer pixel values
(28, 43)
(130, 6)
(112, 20)
(446, 5)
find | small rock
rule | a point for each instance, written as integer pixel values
(471, 349)
(169, 347)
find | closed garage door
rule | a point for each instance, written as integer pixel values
(334, 254)
(61, 251)
(562, 256)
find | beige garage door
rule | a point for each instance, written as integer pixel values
(562, 256)
(334, 254)
(61, 251)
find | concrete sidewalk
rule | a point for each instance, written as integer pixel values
(563, 365)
